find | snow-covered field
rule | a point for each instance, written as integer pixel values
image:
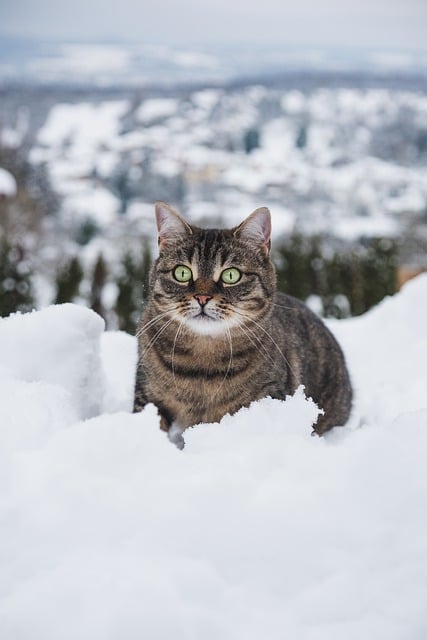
(254, 530)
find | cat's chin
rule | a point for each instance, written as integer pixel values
(205, 326)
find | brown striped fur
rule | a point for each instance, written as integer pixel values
(207, 348)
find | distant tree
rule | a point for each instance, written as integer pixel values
(68, 281)
(251, 140)
(348, 281)
(293, 272)
(379, 271)
(35, 199)
(86, 231)
(132, 289)
(99, 279)
(121, 186)
(316, 266)
(16, 293)
(301, 139)
(40, 189)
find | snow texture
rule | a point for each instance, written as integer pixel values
(7, 184)
(255, 529)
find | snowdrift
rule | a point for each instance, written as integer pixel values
(255, 529)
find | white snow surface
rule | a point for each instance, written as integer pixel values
(156, 108)
(7, 184)
(254, 530)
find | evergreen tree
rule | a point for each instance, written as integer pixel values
(301, 139)
(251, 140)
(316, 267)
(132, 289)
(379, 271)
(293, 272)
(337, 284)
(15, 280)
(99, 279)
(86, 231)
(122, 188)
(68, 281)
(126, 303)
(347, 281)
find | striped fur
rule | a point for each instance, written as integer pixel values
(207, 348)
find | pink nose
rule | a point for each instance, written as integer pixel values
(202, 299)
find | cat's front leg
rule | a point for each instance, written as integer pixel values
(138, 403)
(175, 435)
(171, 426)
(140, 398)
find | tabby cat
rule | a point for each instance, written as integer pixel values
(216, 335)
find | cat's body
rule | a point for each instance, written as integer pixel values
(215, 335)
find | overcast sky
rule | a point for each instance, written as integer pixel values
(397, 24)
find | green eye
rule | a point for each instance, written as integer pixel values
(231, 275)
(182, 273)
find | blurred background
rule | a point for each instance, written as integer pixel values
(318, 111)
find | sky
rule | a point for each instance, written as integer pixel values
(391, 24)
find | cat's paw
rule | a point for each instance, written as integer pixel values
(175, 436)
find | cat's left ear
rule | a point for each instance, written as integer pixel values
(257, 228)
(170, 225)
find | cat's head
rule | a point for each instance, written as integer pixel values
(213, 280)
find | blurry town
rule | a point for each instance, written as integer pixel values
(339, 157)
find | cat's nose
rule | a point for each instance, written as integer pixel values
(202, 299)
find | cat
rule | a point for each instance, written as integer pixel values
(215, 334)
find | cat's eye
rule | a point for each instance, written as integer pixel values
(231, 275)
(182, 273)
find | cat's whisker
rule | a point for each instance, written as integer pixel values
(259, 325)
(149, 324)
(230, 361)
(259, 345)
(178, 331)
(155, 338)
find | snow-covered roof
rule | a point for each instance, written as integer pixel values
(7, 184)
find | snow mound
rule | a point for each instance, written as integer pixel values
(387, 352)
(50, 371)
(256, 529)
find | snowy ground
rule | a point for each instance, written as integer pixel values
(254, 530)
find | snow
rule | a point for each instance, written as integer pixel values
(7, 184)
(96, 203)
(156, 109)
(255, 529)
(400, 343)
(83, 61)
(82, 125)
(192, 147)
(45, 385)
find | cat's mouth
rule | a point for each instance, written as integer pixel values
(206, 321)
(205, 311)
(203, 315)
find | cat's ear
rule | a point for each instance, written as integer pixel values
(170, 225)
(257, 228)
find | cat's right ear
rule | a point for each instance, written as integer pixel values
(170, 225)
